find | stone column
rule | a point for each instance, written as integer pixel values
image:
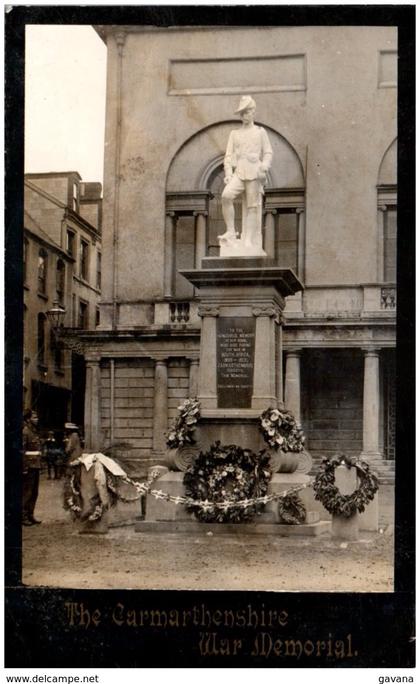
(264, 393)
(160, 406)
(193, 384)
(301, 244)
(292, 383)
(92, 403)
(200, 236)
(207, 375)
(270, 233)
(170, 241)
(371, 404)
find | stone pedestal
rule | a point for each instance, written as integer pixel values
(241, 305)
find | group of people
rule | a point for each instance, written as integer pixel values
(35, 450)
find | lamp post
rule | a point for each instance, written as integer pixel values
(55, 316)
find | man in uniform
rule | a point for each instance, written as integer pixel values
(247, 160)
(31, 467)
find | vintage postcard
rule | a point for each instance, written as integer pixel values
(209, 369)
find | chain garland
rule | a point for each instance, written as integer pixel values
(208, 506)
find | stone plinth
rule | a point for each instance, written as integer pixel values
(241, 305)
(194, 527)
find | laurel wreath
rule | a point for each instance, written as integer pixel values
(291, 510)
(328, 494)
(225, 475)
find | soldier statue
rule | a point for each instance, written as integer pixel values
(247, 161)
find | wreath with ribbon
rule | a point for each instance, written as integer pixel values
(327, 492)
(225, 474)
(73, 500)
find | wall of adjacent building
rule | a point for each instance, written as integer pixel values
(332, 98)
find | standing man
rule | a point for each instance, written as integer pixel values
(247, 160)
(32, 448)
(73, 448)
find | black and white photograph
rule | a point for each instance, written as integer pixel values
(209, 352)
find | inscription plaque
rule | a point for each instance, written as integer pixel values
(235, 361)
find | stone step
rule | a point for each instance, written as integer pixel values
(210, 529)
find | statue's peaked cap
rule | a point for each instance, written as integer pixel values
(245, 102)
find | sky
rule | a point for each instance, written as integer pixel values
(65, 100)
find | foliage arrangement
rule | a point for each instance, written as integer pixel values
(329, 495)
(182, 429)
(291, 510)
(225, 475)
(281, 431)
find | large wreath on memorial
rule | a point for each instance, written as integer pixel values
(281, 431)
(329, 495)
(182, 429)
(225, 474)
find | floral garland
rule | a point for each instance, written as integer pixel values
(329, 495)
(281, 431)
(182, 429)
(291, 510)
(224, 477)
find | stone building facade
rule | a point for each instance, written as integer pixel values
(62, 262)
(327, 98)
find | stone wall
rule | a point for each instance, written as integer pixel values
(134, 390)
(178, 385)
(332, 401)
(133, 405)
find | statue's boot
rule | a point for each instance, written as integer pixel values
(230, 234)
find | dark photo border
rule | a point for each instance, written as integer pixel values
(38, 630)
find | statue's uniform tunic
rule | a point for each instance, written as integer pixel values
(248, 153)
(31, 468)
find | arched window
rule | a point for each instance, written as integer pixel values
(194, 210)
(41, 338)
(387, 217)
(42, 271)
(60, 276)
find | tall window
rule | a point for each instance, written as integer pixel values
(97, 316)
(73, 311)
(70, 243)
(83, 314)
(99, 270)
(25, 258)
(41, 338)
(60, 276)
(390, 245)
(42, 271)
(57, 351)
(84, 259)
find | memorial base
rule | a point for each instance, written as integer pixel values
(165, 516)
